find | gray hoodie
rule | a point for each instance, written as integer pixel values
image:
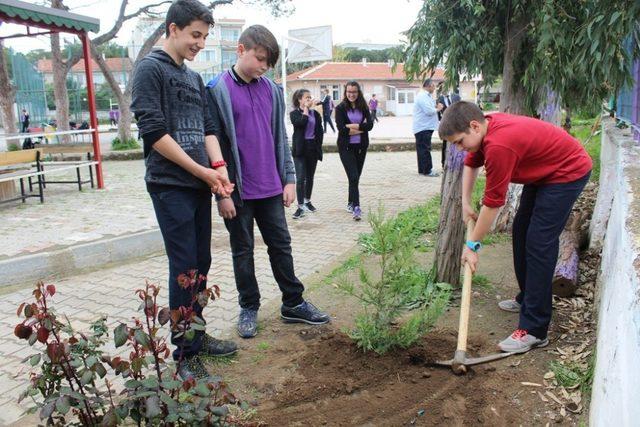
(168, 98)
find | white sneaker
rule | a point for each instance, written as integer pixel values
(520, 342)
(510, 305)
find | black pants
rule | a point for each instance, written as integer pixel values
(423, 149)
(326, 118)
(305, 171)
(353, 163)
(24, 128)
(269, 215)
(184, 217)
(444, 153)
(374, 115)
(541, 217)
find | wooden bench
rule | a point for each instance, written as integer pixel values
(17, 166)
(29, 164)
(63, 165)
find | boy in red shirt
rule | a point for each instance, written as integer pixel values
(554, 168)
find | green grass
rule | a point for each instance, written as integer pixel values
(130, 144)
(349, 264)
(482, 282)
(582, 132)
(263, 346)
(416, 222)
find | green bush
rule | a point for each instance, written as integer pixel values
(130, 144)
(12, 147)
(387, 320)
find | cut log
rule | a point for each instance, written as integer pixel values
(565, 278)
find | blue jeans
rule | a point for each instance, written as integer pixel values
(269, 215)
(184, 217)
(541, 217)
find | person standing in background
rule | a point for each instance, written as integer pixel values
(327, 109)
(373, 108)
(24, 121)
(425, 121)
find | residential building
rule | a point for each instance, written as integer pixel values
(119, 67)
(220, 48)
(395, 94)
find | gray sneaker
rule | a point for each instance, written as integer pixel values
(510, 305)
(247, 323)
(521, 341)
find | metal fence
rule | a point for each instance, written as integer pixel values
(628, 99)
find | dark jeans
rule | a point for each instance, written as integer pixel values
(305, 170)
(269, 215)
(24, 128)
(374, 115)
(353, 162)
(184, 217)
(327, 119)
(444, 153)
(423, 149)
(541, 217)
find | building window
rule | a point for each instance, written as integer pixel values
(410, 96)
(229, 34)
(207, 55)
(391, 93)
(402, 98)
(228, 58)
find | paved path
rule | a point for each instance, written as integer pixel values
(318, 240)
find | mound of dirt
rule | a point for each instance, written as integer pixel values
(338, 384)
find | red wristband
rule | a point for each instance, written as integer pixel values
(218, 164)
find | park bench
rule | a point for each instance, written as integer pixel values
(29, 165)
(17, 166)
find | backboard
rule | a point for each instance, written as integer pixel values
(310, 44)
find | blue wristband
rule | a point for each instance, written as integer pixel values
(474, 246)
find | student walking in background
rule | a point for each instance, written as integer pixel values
(248, 110)
(327, 109)
(373, 108)
(307, 148)
(354, 123)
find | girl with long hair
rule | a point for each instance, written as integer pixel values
(353, 121)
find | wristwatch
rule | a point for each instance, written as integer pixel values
(474, 246)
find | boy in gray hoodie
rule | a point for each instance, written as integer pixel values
(184, 165)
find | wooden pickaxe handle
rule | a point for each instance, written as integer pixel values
(465, 302)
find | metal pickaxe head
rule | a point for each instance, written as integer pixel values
(460, 361)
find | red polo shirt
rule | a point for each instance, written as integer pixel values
(525, 150)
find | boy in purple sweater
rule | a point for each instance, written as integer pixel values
(248, 111)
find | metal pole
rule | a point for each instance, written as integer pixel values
(92, 108)
(283, 62)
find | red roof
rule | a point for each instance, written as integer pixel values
(114, 64)
(355, 71)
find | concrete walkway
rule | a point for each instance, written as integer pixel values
(69, 217)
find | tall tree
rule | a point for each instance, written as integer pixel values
(8, 94)
(573, 50)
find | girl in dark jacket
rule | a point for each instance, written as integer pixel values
(353, 121)
(307, 148)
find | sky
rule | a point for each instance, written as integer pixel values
(352, 21)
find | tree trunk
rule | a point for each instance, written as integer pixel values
(124, 124)
(450, 228)
(60, 81)
(565, 278)
(8, 98)
(511, 101)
